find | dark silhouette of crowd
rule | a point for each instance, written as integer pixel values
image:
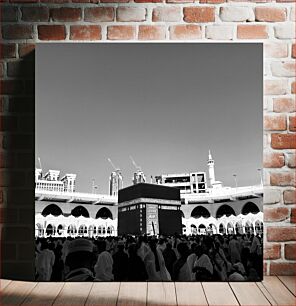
(150, 258)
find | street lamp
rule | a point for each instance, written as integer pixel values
(261, 178)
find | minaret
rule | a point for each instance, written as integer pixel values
(211, 165)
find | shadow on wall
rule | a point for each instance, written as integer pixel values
(17, 181)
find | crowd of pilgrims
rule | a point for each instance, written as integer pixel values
(150, 258)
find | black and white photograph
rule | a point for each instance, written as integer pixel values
(148, 162)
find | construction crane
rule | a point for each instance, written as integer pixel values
(134, 163)
(113, 166)
(39, 160)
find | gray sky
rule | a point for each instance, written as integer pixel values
(164, 104)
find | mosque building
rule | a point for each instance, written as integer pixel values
(206, 206)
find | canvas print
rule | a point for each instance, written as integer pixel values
(149, 162)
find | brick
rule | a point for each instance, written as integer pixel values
(199, 14)
(8, 215)
(150, 32)
(98, 14)
(218, 32)
(65, 14)
(11, 87)
(25, 50)
(185, 32)
(272, 251)
(276, 214)
(284, 31)
(8, 50)
(282, 105)
(275, 123)
(275, 87)
(283, 141)
(273, 160)
(293, 215)
(21, 68)
(114, 1)
(17, 31)
(281, 233)
(9, 13)
(131, 14)
(16, 233)
(17, 142)
(121, 32)
(51, 32)
(20, 270)
(270, 14)
(12, 178)
(8, 251)
(293, 13)
(293, 52)
(282, 178)
(292, 123)
(290, 251)
(86, 32)
(35, 13)
(25, 251)
(236, 13)
(166, 14)
(275, 50)
(148, 1)
(179, 1)
(291, 160)
(24, 160)
(23, 1)
(21, 105)
(21, 198)
(1, 69)
(271, 196)
(252, 31)
(293, 87)
(212, 1)
(7, 160)
(290, 196)
(283, 69)
(277, 268)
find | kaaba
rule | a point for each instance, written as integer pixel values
(149, 209)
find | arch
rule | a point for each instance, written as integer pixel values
(80, 211)
(250, 207)
(104, 213)
(39, 230)
(212, 229)
(259, 227)
(222, 229)
(230, 228)
(193, 229)
(239, 227)
(249, 229)
(225, 210)
(110, 230)
(71, 230)
(82, 230)
(52, 209)
(60, 229)
(202, 229)
(50, 230)
(200, 211)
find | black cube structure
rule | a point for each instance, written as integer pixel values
(149, 209)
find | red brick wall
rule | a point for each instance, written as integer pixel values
(29, 21)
